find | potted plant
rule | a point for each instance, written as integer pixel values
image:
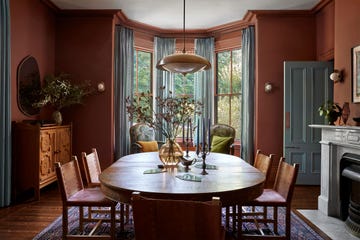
(174, 111)
(59, 92)
(331, 111)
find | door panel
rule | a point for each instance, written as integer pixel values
(306, 87)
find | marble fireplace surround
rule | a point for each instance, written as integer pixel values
(335, 142)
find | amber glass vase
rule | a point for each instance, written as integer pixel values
(170, 153)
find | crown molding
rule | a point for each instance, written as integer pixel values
(51, 5)
(88, 13)
(321, 5)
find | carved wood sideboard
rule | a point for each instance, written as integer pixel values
(36, 149)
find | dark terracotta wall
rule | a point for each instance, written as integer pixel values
(347, 36)
(32, 33)
(278, 39)
(325, 28)
(84, 49)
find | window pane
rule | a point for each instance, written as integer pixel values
(236, 71)
(223, 109)
(236, 114)
(223, 72)
(144, 71)
(228, 94)
(184, 85)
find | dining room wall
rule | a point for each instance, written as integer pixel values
(32, 32)
(85, 49)
(279, 37)
(347, 36)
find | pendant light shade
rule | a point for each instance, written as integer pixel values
(183, 62)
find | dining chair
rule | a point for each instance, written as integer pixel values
(280, 195)
(142, 139)
(263, 163)
(91, 168)
(74, 194)
(222, 138)
(163, 219)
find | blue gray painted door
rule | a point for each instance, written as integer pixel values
(306, 87)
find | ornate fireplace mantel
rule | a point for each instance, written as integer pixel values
(335, 142)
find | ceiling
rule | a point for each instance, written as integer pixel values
(200, 14)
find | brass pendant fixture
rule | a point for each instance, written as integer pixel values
(183, 62)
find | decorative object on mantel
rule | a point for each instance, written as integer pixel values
(331, 111)
(175, 110)
(183, 62)
(357, 121)
(345, 112)
(59, 92)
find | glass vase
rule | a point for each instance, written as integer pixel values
(170, 153)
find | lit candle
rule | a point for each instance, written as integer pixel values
(198, 137)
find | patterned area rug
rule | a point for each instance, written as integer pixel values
(299, 228)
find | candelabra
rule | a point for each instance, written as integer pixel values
(204, 152)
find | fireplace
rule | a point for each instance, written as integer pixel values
(350, 192)
(336, 142)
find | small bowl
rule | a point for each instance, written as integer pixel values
(187, 162)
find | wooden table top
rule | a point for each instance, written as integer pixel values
(234, 180)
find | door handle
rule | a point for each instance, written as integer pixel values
(287, 119)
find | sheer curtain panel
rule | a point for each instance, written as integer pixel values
(248, 79)
(5, 105)
(162, 48)
(124, 75)
(204, 81)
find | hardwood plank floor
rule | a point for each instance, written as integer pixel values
(26, 220)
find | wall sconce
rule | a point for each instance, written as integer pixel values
(101, 87)
(336, 76)
(268, 87)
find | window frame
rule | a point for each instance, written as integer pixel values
(217, 95)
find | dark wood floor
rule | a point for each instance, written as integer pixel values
(24, 221)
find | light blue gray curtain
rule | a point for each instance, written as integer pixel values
(124, 73)
(5, 105)
(162, 48)
(204, 82)
(247, 102)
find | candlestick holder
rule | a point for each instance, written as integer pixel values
(204, 152)
(187, 148)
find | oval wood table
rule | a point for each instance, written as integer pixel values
(234, 180)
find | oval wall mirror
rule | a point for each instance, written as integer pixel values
(28, 85)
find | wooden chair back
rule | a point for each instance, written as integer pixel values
(285, 179)
(73, 193)
(162, 219)
(92, 167)
(263, 163)
(69, 178)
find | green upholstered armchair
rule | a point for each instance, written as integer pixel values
(222, 138)
(142, 139)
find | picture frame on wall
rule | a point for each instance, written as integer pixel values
(356, 74)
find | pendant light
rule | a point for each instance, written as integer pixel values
(183, 62)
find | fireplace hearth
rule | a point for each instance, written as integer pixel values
(350, 192)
